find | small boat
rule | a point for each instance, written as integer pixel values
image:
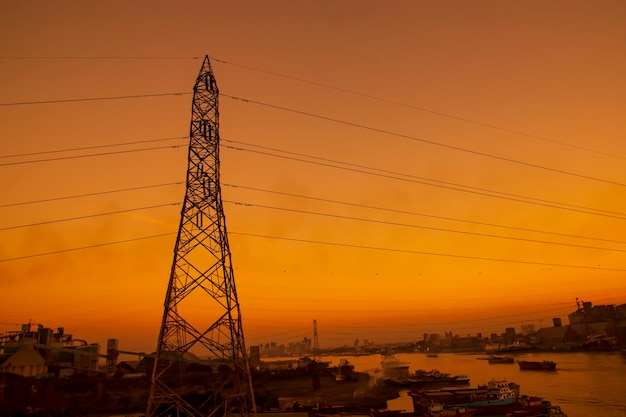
(422, 378)
(500, 359)
(394, 367)
(431, 355)
(537, 365)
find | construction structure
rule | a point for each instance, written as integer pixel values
(201, 327)
(316, 340)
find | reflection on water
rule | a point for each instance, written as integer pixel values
(584, 384)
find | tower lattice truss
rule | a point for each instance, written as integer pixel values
(201, 332)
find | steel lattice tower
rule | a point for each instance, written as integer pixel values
(202, 320)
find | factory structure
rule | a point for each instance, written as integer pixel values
(39, 351)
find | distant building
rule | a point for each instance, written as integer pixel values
(587, 313)
(556, 337)
(509, 335)
(527, 329)
(255, 356)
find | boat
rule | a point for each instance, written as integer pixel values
(497, 397)
(422, 378)
(394, 367)
(537, 365)
(500, 359)
(431, 355)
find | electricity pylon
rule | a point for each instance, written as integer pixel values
(201, 330)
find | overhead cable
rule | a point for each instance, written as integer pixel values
(61, 158)
(74, 100)
(383, 131)
(410, 106)
(83, 148)
(413, 252)
(428, 141)
(318, 84)
(598, 212)
(89, 216)
(99, 245)
(437, 182)
(412, 213)
(120, 190)
(344, 245)
(437, 229)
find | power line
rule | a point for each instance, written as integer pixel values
(448, 255)
(99, 57)
(35, 255)
(91, 194)
(424, 215)
(430, 142)
(344, 245)
(83, 148)
(438, 113)
(61, 158)
(437, 229)
(383, 131)
(562, 207)
(318, 84)
(517, 196)
(88, 216)
(291, 153)
(74, 100)
(317, 199)
(484, 192)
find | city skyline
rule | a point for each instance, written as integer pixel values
(384, 168)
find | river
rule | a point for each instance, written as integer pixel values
(584, 384)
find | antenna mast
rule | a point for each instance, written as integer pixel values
(202, 320)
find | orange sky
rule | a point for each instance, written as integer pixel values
(467, 173)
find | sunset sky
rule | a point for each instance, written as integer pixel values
(388, 168)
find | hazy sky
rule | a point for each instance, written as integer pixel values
(388, 168)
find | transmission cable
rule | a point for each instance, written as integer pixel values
(437, 229)
(61, 158)
(423, 214)
(344, 122)
(318, 84)
(89, 216)
(414, 138)
(438, 113)
(406, 251)
(98, 245)
(618, 216)
(83, 148)
(517, 196)
(91, 194)
(74, 100)
(61, 57)
(291, 153)
(345, 245)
